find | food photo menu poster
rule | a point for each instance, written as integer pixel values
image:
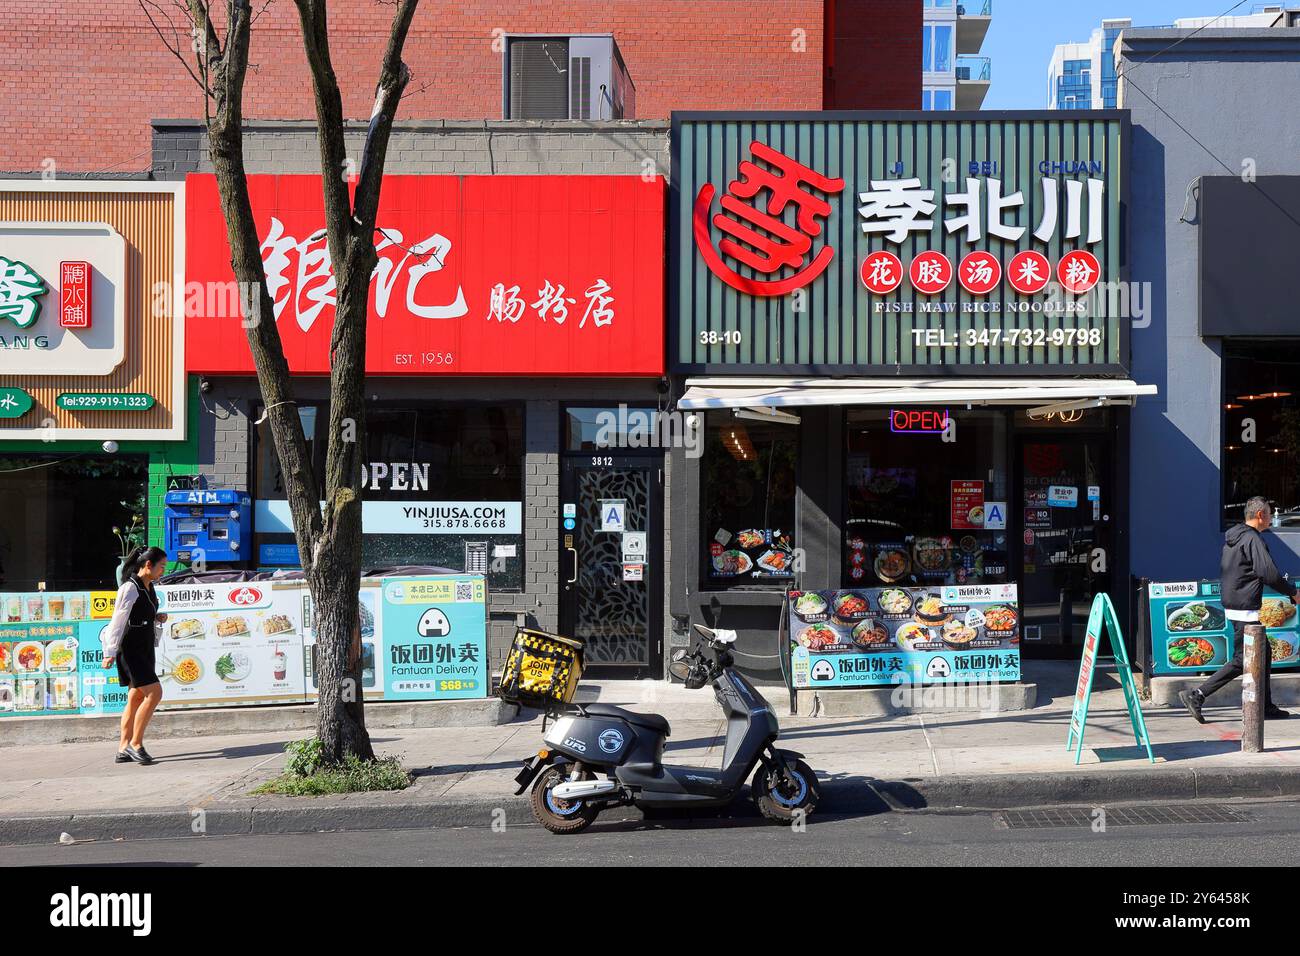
(237, 643)
(1190, 632)
(753, 552)
(883, 636)
(39, 668)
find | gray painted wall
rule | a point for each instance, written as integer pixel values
(1233, 93)
(456, 147)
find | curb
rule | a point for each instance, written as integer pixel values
(849, 795)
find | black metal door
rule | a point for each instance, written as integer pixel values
(611, 561)
(1065, 505)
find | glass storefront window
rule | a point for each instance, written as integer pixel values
(915, 502)
(1261, 429)
(429, 453)
(748, 488)
(57, 524)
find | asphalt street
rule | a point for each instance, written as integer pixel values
(1271, 836)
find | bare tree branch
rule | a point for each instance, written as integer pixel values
(329, 117)
(174, 46)
(393, 77)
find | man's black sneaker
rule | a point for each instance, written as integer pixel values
(139, 755)
(122, 757)
(1192, 700)
(1276, 713)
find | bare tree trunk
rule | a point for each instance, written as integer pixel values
(329, 538)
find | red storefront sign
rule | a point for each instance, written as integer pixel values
(74, 294)
(477, 275)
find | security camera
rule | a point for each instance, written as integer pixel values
(110, 447)
(205, 385)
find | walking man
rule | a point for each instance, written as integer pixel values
(1245, 567)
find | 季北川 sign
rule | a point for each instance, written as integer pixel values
(858, 242)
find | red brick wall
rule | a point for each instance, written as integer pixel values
(83, 78)
(873, 54)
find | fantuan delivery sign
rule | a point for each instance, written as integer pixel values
(477, 275)
(851, 242)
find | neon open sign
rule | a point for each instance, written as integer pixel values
(917, 421)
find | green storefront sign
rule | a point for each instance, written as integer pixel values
(105, 401)
(859, 243)
(14, 402)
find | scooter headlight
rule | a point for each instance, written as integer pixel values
(680, 667)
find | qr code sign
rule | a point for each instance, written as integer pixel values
(464, 590)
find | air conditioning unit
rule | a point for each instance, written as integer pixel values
(579, 77)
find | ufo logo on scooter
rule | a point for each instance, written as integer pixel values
(611, 741)
(433, 623)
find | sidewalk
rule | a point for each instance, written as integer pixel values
(464, 774)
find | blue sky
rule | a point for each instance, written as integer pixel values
(1023, 33)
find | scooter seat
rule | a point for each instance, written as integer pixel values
(649, 721)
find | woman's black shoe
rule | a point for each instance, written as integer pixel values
(139, 755)
(122, 757)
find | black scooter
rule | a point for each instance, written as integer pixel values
(598, 755)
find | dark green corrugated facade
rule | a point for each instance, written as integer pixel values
(833, 325)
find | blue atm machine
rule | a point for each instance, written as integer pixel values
(214, 524)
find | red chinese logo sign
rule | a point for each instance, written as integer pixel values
(1029, 272)
(760, 239)
(979, 272)
(74, 294)
(930, 273)
(477, 275)
(1078, 271)
(882, 272)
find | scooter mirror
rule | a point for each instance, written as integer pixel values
(680, 669)
(680, 654)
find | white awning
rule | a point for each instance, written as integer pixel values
(1056, 394)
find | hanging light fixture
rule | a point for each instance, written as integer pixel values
(736, 438)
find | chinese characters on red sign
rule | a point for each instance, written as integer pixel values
(476, 275)
(74, 295)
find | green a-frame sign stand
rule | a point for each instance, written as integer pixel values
(1102, 619)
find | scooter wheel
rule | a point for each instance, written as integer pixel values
(559, 816)
(778, 801)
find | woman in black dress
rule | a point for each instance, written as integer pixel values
(130, 640)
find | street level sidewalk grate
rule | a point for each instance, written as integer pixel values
(1128, 816)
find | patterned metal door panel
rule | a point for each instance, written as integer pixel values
(612, 615)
